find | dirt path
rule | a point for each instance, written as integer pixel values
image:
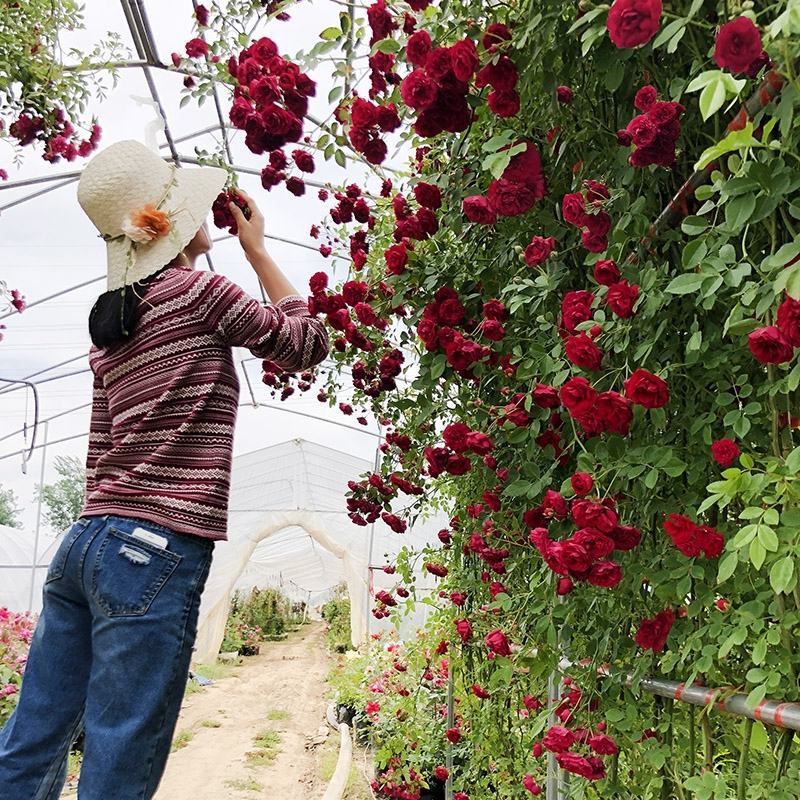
(283, 691)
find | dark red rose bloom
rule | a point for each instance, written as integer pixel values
(510, 199)
(492, 330)
(545, 396)
(770, 346)
(264, 50)
(453, 735)
(613, 413)
(436, 569)
(478, 209)
(451, 312)
(303, 159)
(387, 118)
(587, 514)
(526, 168)
(464, 629)
(504, 104)
(583, 352)
(625, 537)
(633, 22)
(464, 58)
(554, 505)
(594, 242)
(624, 138)
(539, 250)
(789, 320)
(692, 539)
(396, 259)
(455, 436)
(428, 195)
(271, 177)
(621, 298)
(712, 542)
(479, 692)
(606, 272)
(418, 90)
(652, 633)
(576, 307)
(440, 63)
(496, 33)
(494, 309)
(646, 389)
(496, 641)
(558, 739)
(602, 744)
(738, 45)
(418, 48)
(380, 21)
(573, 209)
(606, 574)
(645, 98)
(596, 544)
(295, 186)
(502, 76)
(590, 768)
(578, 396)
(582, 483)
(598, 224)
(725, 452)
(375, 151)
(196, 48)
(564, 95)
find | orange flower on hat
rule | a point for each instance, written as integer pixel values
(146, 224)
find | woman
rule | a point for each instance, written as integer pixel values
(112, 647)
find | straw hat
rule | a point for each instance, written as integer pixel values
(145, 208)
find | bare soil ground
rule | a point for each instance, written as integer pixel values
(245, 737)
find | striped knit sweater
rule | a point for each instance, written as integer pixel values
(165, 401)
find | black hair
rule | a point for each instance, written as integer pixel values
(114, 315)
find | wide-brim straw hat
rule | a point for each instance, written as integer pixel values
(117, 185)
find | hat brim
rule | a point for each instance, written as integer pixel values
(188, 204)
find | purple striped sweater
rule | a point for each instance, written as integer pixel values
(165, 401)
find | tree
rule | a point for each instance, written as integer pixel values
(64, 498)
(8, 509)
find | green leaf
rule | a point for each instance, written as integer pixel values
(703, 79)
(386, 46)
(340, 158)
(735, 140)
(693, 226)
(330, 34)
(713, 96)
(519, 488)
(781, 574)
(738, 211)
(760, 651)
(767, 537)
(793, 460)
(756, 696)
(757, 553)
(727, 566)
(686, 283)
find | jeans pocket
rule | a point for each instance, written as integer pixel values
(129, 573)
(59, 562)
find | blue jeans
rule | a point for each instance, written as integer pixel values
(111, 654)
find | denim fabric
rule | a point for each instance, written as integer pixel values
(111, 653)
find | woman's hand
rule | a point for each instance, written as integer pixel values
(250, 231)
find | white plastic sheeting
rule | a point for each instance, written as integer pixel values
(20, 582)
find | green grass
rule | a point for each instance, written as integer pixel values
(356, 784)
(276, 714)
(182, 739)
(210, 723)
(245, 785)
(192, 687)
(215, 672)
(267, 743)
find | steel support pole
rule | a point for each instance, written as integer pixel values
(372, 536)
(451, 720)
(38, 518)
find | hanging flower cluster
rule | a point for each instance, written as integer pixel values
(56, 133)
(654, 132)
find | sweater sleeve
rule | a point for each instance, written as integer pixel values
(285, 333)
(99, 432)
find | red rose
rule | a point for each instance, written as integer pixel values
(590, 768)
(418, 90)
(453, 735)
(683, 533)
(539, 250)
(606, 272)
(418, 48)
(529, 782)
(196, 48)
(554, 505)
(711, 541)
(578, 396)
(645, 98)
(770, 346)
(613, 413)
(396, 259)
(464, 57)
(502, 76)
(303, 159)
(652, 633)
(428, 195)
(455, 436)
(479, 691)
(526, 168)
(464, 629)
(496, 33)
(558, 739)
(646, 389)
(296, 186)
(436, 569)
(725, 452)
(621, 298)
(594, 242)
(738, 45)
(564, 587)
(625, 537)
(582, 483)
(478, 209)
(496, 641)
(605, 574)
(576, 308)
(633, 22)
(583, 352)
(587, 514)
(440, 64)
(545, 396)
(603, 745)
(596, 544)
(492, 330)
(564, 95)
(573, 209)
(504, 104)
(789, 320)
(510, 199)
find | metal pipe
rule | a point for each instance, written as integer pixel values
(53, 296)
(24, 429)
(55, 416)
(20, 200)
(274, 238)
(134, 29)
(770, 712)
(38, 519)
(249, 171)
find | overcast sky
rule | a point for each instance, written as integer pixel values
(47, 245)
